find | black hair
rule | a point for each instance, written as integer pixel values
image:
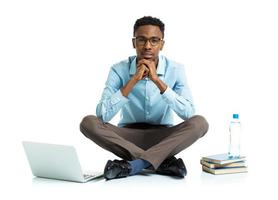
(148, 20)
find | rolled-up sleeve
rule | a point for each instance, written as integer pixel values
(179, 97)
(112, 99)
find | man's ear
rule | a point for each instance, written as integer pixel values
(133, 43)
(162, 45)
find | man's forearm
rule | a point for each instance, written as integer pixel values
(161, 85)
(126, 89)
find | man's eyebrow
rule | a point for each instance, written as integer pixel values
(146, 37)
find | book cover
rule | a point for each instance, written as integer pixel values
(215, 165)
(222, 159)
(229, 170)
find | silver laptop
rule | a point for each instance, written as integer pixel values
(56, 162)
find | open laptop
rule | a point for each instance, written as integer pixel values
(56, 162)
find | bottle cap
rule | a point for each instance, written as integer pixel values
(235, 116)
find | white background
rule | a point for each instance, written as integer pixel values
(54, 60)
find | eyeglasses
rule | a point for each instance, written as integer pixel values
(142, 41)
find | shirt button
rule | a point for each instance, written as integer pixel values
(147, 98)
(148, 113)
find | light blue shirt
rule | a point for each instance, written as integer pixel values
(145, 103)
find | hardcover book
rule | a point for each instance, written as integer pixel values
(215, 165)
(222, 159)
(224, 170)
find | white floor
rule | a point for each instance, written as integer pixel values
(259, 144)
(200, 185)
(257, 183)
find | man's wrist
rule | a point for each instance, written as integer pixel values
(156, 80)
(160, 84)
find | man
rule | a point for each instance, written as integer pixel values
(147, 88)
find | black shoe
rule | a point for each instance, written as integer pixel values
(116, 169)
(172, 167)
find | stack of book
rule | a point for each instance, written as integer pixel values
(222, 164)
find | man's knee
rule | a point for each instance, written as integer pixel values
(88, 123)
(200, 124)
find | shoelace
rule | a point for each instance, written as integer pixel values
(124, 170)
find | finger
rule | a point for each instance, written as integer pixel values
(145, 74)
(143, 61)
(146, 70)
(142, 65)
(142, 68)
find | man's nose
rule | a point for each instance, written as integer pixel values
(147, 45)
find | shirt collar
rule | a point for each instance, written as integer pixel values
(160, 67)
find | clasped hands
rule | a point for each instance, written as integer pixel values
(146, 68)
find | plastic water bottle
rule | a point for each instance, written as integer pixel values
(235, 133)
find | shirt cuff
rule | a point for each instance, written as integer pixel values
(169, 95)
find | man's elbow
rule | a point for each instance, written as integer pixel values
(104, 118)
(188, 113)
(192, 111)
(101, 115)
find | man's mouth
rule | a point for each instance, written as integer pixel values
(147, 55)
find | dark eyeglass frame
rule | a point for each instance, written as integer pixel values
(154, 41)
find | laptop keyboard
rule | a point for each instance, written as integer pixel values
(86, 176)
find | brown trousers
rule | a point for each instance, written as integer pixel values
(153, 143)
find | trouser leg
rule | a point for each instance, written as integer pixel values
(119, 141)
(153, 144)
(179, 137)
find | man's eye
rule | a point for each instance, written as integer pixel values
(154, 40)
(140, 39)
